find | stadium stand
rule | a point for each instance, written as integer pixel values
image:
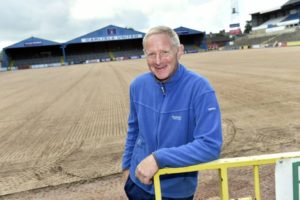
(274, 27)
(216, 41)
(193, 40)
(33, 51)
(269, 39)
(294, 16)
(106, 44)
(270, 23)
(288, 14)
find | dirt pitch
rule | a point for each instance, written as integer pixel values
(62, 130)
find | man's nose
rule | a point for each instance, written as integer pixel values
(157, 58)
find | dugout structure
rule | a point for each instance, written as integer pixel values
(109, 43)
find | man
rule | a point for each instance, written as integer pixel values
(174, 121)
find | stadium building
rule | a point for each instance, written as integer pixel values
(276, 27)
(284, 17)
(106, 44)
(32, 51)
(192, 40)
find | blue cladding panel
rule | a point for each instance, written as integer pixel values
(186, 31)
(32, 42)
(108, 33)
(292, 17)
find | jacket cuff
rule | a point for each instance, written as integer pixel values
(125, 165)
(156, 160)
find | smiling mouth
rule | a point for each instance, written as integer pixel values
(160, 68)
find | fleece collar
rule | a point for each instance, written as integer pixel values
(174, 78)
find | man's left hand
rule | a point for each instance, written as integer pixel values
(146, 170)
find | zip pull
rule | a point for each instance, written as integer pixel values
(163, 89)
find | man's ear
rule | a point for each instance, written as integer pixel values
(180, 51)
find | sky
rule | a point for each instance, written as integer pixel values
(64, 20)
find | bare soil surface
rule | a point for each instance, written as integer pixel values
(62, 130)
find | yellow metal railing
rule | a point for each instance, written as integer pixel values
(222, 166)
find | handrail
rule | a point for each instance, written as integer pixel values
(222, 165)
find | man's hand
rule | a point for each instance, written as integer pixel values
(146, 170)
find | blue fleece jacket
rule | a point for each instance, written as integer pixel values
(179, 122)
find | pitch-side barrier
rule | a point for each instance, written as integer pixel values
(222, 165)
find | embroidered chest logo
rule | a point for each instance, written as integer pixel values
(176, 117)
(211, 109)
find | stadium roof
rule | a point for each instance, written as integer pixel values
(108, 33)
(291, 2)
(267, 11)
(32, 42)
(287, 5)
(186, 31)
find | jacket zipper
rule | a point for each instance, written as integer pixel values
(163, 90)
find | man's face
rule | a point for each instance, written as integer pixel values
(162, 57)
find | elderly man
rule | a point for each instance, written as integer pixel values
(174, 121)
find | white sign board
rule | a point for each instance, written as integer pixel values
(287, 179)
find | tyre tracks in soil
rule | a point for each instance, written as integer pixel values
(36, 116)
(41, 168)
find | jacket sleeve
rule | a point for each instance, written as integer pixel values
(207, 136)
(132, 133)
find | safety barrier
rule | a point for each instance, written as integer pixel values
(294, 43)
(222, 166)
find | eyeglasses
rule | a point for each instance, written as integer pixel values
(161, 54)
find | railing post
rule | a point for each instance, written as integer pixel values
(157, 188)
(224, 183)
(256, 182)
